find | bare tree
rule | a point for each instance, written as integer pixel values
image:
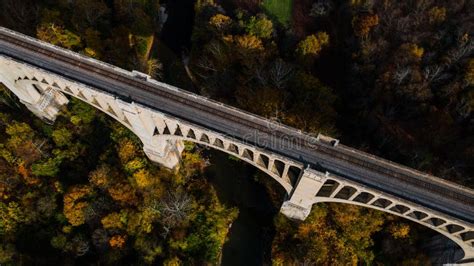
(401, 74)
(174, 209)
(280, 72)
(88, 12)
(20, 15)
(461, 51)
(321, 8)
(431, 73)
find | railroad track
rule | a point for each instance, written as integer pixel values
(389, 169)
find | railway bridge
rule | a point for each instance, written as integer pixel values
(311, 169)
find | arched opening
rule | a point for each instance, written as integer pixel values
(204, 138)
(178, 131)
(400, 209)
(172, 130)
(248, 154)
(166, 131)
(454, 228)
(258, 160)
(435, 221)
(346, 192)
(293, 174)
(219, 143)
(262, 161)
(327, 188)
(67, 89)
(233, 148)
(382, 203)
(278, 168)
(95, 102)
(417, 215)
(81, 95)
(467, 236)
(191, 134)
(363, 197)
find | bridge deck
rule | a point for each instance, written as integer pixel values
(341, 160)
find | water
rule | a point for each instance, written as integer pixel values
(177, 30)
(250, 237)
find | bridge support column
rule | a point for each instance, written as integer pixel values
(165, 152)
(159, 149)
(48, 104)
(39, 97)
(298, 207)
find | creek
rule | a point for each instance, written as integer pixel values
(251, 234)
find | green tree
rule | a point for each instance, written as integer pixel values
(312, 45)
(48, 167)
(62, 137)
(7, 253)
(11, 216)
(82, 112)
(58, 35)
(260, 26)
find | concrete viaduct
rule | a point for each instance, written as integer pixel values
(311, 169)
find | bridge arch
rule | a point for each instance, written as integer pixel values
(43, 89)
(346, 192)
(285, 173)
(43, 93)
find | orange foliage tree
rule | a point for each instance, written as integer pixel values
(75, 204)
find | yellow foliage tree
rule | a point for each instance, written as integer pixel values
(100, 176)
(124, 193)
(126, 150)
(220, 21)
(399, 230)
(312, 45)
(11, 216)
(437, 14)
(141, 222)
(142, 177)
(57, 35)
(339, 235)
(248, 42)
(112, 220)
(75, 204)
(413, 50)
(174, 261)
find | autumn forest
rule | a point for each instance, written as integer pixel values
(393, 78)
